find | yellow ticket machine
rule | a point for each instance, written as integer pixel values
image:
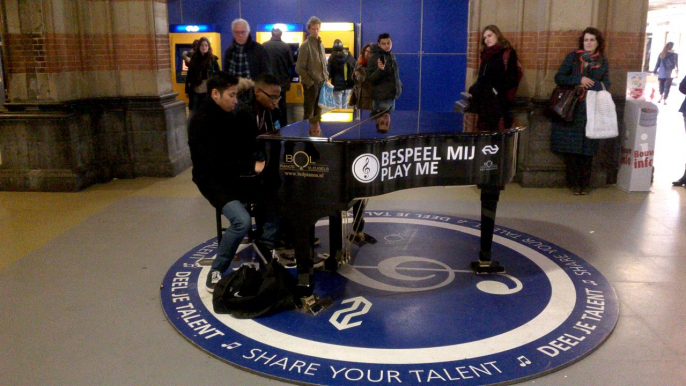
(181, 37)
(293, 35)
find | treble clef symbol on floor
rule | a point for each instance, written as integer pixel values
(365, 168)
(427, 271)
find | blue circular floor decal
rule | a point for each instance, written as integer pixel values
(407, 310)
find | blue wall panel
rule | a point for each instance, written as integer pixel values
(269, 11)
(401, 19)
(445, 26)
(443, 78)
(409, 69)
(331, 11)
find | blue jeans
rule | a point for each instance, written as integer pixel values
(340, 98)
(384, 104)
(239, 226)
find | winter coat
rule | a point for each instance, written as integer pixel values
(664, 67)
(281, 61)
(223, 148)
(682, 88)
(489, 92)
(341, 68)
(311, 63)
(570, 137)
(258, 59)
(362, 90)
(193, 79)
(385, 84)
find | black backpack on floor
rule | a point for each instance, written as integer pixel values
(248, 293)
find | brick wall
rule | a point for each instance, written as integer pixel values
(57, 53)
(545, 50)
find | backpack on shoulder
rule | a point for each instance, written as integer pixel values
(248, 293)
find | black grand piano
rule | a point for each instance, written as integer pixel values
(321, 174)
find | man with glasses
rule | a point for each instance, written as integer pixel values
(261, 103)
(245, 58)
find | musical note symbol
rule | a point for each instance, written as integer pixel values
(523, 361)
(365, 168)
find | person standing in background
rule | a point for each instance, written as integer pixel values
(383, 73)
(362, 91)
(497, 74)
(682, 87)
(203, 65)
(311, 66)
(667, 63)
(281, 61)
(341, 67)
(588, 69)
(245, 58)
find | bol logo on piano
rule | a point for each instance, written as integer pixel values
(366, 168)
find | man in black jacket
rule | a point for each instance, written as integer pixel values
(224, 152)
(281, 62)
(383, 73)
(245, 58)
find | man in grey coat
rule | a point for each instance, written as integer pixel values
(311, 66)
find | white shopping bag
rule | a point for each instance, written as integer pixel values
(601, 115)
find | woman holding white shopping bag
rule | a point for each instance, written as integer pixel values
(588, 69)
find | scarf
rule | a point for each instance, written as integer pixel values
(488, 52)
(238, 62)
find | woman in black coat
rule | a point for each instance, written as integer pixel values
(203, 65)
(682, 87)
(588, 69)
(498, 74)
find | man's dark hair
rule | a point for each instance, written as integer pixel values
(221, 81)
(384, 35)
(267, 80)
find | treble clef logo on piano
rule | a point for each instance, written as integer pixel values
(365, 168)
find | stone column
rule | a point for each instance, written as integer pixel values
(89, 94)
(543, 32)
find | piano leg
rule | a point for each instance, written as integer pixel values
(489, 204)
(304, 252)
(335, 242)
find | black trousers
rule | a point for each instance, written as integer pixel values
(578, 169)
(665, 85)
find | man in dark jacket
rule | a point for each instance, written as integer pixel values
(223, 151)
(245, 58)
(281, 61)
(383, 72)
(261, 103)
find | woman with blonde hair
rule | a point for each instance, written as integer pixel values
(666, 63)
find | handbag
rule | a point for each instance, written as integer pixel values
(563, 100)
(326, 97)
(601, 115)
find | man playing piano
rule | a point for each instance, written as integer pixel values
(223, 151)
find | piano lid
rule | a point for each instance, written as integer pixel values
(363, 127)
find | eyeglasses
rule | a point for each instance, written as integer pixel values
(274, 98)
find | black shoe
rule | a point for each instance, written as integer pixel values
(213, 278)
(681, 181)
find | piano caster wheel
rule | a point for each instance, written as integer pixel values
(486, 267)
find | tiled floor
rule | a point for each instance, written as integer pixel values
(80, 274)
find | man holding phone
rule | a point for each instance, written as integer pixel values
(383, 73)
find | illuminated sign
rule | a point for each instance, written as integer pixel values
(282, 26)
(337, 27)
(192, 28)
(338, 116)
